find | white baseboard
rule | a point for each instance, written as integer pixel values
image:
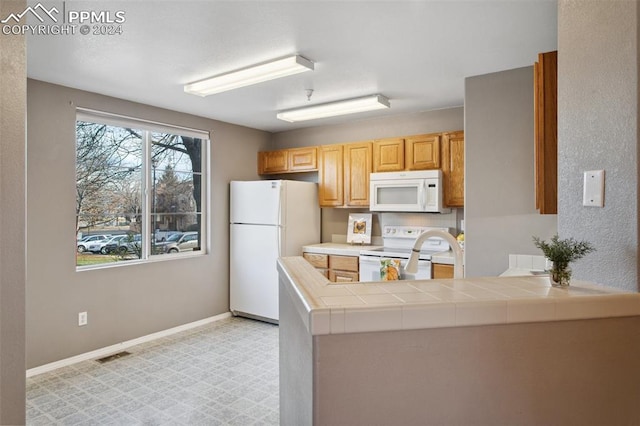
(99, 353)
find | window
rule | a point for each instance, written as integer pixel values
(140, 190)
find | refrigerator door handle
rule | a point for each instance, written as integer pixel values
(280, 221)
(280, 231)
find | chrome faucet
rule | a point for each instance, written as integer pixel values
(412, 265)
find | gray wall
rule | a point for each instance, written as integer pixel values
(295, 361)
(128, 301)
(598, 129)
(13, 96)
(500, 214)
(549, 373)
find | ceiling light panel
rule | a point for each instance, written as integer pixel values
(332, 109)
(251, 75)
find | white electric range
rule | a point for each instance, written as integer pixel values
(398, 242)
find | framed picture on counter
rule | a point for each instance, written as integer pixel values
(359, 228)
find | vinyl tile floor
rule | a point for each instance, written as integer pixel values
(224, 373)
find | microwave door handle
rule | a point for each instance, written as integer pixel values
(422, 197)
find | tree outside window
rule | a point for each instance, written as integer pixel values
(138, 187)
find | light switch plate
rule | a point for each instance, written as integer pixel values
(593, 193)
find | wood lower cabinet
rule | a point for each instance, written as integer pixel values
(343, 269)
(319, 261)
(439, 270)
(291, 160)
(422, 152)
(546, 132)
(336, 268)
(453, 168)
(388, 155)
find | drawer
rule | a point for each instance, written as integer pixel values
(343, 276)
(344, 263)
(317, 260)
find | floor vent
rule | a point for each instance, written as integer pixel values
(113, 357)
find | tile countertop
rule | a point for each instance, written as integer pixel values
(329, 308)
(444, 258)
(343, 249)
(337, 249)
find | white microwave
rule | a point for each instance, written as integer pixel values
(412, 191)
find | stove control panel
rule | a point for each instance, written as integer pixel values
(408, 232)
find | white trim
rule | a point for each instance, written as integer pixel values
(99, 353)
(109, 118)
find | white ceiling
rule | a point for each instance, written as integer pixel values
(415, 53)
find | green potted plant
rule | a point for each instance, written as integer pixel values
(561, 253)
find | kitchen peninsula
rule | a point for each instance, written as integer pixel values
(494, 350)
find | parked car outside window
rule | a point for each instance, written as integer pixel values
(187, 241)
(111, 245)
(130, 244)
(83, 244)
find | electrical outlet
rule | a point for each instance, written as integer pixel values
(82, 319)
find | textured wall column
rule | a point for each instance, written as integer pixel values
(598, 129)
(13, 95)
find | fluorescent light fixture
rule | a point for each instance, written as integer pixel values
(250, 75)
(344, 107)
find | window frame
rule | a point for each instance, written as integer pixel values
(146, 183)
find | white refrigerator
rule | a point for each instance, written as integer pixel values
(269, 219)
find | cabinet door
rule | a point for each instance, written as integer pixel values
(546, 132)
(388, 155)
(453, 169)
(303, 159)
(422, 152)
(357, 167)
(344, 263)
(330, 176)
(441, 271)
(317, 260)
(272, 162)
(343, 276)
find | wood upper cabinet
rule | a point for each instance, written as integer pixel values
(422, 152)
(546, 132)
(388, 155)
(357, 167)
(288, 160)
(453, 168)
(303, 159)
(272, 162)
(343, 174)
(344, 169)
(330, 175)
